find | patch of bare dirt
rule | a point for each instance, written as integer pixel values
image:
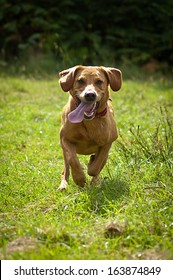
(18, 245)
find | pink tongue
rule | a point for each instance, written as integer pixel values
(77, 115)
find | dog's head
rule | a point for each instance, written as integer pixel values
(88, 86)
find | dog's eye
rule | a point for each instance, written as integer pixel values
(81, 82)
(99, 82)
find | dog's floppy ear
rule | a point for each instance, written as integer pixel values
(67, 78)
(115, 77)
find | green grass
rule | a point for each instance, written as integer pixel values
(128, 216)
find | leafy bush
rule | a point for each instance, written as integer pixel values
(87, 31)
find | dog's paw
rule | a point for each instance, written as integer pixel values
(63, 185)
(96, 180)
(80, 181)
(79, 177)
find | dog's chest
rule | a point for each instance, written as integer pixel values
(93, 133)
(87, 142)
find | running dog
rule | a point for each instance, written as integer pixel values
(88, 125)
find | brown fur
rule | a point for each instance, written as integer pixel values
(93, 136)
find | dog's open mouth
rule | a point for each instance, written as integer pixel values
(83, 111)
(90, 112)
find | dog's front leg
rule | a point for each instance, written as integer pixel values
(65, 175)
(98, 161)
(71, 160)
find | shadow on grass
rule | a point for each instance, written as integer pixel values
(109, 193)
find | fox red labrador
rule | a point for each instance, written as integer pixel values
(88, 125)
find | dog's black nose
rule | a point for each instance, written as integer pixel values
(90, 96)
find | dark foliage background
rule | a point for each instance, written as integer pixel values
(88, 32)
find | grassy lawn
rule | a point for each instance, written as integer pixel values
(128, 216)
